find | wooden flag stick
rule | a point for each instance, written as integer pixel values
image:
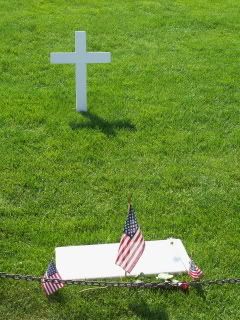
(129, 200)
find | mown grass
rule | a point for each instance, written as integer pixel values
(163, 124)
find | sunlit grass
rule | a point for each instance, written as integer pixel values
(163, 124)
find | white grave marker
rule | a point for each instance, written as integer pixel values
(98, 261)
(80, 58)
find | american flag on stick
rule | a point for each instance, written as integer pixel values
(132, 243)
(194, 271)
(51, 273)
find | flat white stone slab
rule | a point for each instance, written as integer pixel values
(98, 261)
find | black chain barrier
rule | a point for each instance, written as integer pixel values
(184, 285)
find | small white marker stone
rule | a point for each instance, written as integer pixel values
(80, 58)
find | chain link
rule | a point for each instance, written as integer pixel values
(166, 285)
(215, 282)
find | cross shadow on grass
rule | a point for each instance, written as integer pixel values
(144, 312)
(109, 128)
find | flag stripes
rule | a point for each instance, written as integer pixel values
(194, 271)
(132, 243)
(51, 273)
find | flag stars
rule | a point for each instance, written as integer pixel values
(131, 225)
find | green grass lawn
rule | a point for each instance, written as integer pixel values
(163, 124)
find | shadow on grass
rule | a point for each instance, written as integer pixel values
(200, 291)
(109, 128)
(57, 297)
(143, 311)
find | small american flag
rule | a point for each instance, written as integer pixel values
(194, 271)
(132, 243)
(51, 273)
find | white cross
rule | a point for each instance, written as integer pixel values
(80, 58)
